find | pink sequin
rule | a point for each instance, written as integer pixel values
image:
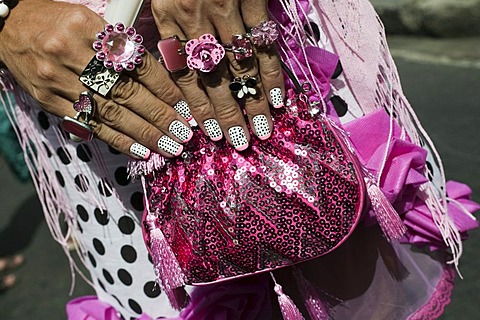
(292, 198)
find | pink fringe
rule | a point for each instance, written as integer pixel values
(139, 168)
(388, 219)
(287, 306)
(316, 306)
(167, 269)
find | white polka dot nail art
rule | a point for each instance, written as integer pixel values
(181, 131)
(213, 129)
(182, 108)
(277, 97)
(139, 151)
(262, 129)
(238, 138)
(167, 144)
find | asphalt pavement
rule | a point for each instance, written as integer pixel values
(441, 78)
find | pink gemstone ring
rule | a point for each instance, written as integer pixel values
(78, 127)
(119, 47)
(240, 46)
(172, 54)
(264, 34)
(86, 104)
(204, 53)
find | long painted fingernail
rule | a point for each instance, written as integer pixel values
(140, 151)
(262, 129)
(181, 131)
(277, 97)
(238, 138)
(213, 129)
(167, 144)
(182, 108)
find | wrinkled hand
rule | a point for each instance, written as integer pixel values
(46, 45)
(211, 102)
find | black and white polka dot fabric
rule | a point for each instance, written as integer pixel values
(107, 210)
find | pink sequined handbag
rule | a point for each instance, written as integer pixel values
(215, 214)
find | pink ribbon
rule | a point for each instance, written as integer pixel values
(421, 227)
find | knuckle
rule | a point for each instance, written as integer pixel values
(123, 90)
(222, 9)
(169, 93)
(146, 66)
(54, 44)
(100, 132)
(272, 74)
(158, 116)
(219, 3)
(227, 113)
(201, 109)
(114, 139)
(79, 17)
(256, 105)
(46, 72)
(244, 67)
(187, 6)
(186, 79)
(111, 112)
(160, 13)
(147, 134)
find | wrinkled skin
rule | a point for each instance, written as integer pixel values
(46, 45)
(208, 93)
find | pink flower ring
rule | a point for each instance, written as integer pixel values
(204, 54)
(119, 47)
(264, 34)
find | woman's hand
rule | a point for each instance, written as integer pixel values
(46, 45)
(208, 94)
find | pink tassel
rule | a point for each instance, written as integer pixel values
(138, 168)
(167, 269)
(316, 306)
(287, 306)
(387, 217)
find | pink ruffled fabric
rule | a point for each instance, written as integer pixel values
(321, 63)
(401, 177)
(247, 298)
(421, 227)
(97, 6)
(404, 164)
(90, 308)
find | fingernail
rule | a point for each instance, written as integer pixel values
(277, 97)
(262, 129)
(238, 138)
(140, 151)
(213, 129)
(169, 145)
(181, 131)
(182, 108)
